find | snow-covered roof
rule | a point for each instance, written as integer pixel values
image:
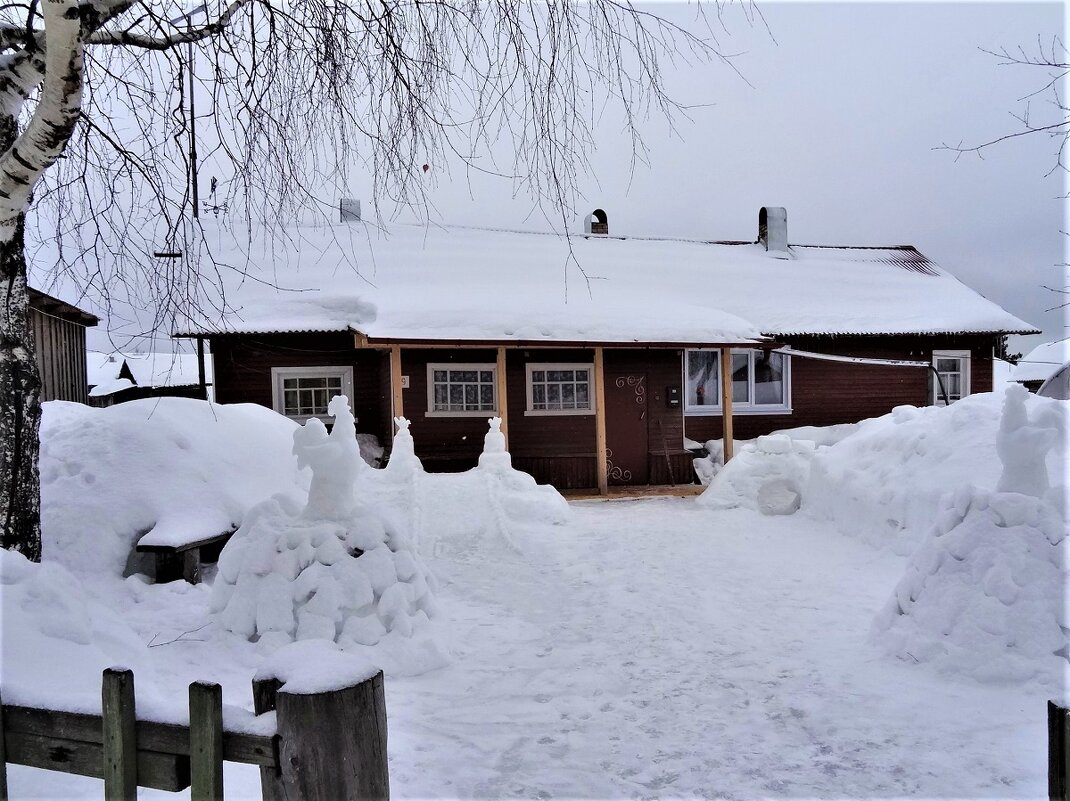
(414, 282)
(148, 370)
(1042, 361)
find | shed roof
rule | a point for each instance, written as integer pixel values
(416, 282)
(1043, 361)
(104, 370)
(60, 308)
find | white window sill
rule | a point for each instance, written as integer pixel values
(558, 412)
(737, 411)
(486, 415)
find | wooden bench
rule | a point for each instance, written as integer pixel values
(174, 562)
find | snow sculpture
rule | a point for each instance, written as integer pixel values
(494, 456)
(334, 459)
(403, 458)
(983, 594)
(1022, 445)
(336, 570)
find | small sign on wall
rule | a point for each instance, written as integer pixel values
(404, 382)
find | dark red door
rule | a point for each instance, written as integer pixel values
(626, 440)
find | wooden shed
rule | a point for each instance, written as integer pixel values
(59, 347)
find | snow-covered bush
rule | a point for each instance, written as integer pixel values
(984, 594)
(335, 569)
(168, 468)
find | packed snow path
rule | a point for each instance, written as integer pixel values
(652, 649)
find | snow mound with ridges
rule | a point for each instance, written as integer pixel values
(983, 595)
(775, 461)
(334, 569)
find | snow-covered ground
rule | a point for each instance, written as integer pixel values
(624, 649)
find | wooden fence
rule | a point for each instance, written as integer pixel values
(325, 746)
(1058, 752)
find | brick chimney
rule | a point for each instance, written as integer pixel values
(773, 231)
(596, 223)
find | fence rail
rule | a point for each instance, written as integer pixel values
(335, 743)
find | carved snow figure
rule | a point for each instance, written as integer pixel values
(336, 569)
(983, 594)
(1022, 445)
(403, 459)
(494, 456)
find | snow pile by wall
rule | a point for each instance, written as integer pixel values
(173, 469)
(884, 483)
(984, 594)
(767, 474)
(56, 640)
(335, 569)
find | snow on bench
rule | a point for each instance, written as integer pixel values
(180, 543)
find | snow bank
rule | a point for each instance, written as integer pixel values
(163, 470)
(335, 569)
(56, 640)
(884, 483)
(984, 595)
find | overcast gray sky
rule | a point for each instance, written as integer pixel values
(845, 106)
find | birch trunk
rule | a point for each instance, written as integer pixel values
(20, 390)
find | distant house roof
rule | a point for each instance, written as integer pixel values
(413, 282)
(1043, 361)
(109, 373)
(60, 308)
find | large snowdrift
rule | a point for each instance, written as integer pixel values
(966, 492)
(160, 471)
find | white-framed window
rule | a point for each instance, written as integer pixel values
(953, 367)
(458, 390)
(304, 392)
(556, 389)
(761, 382)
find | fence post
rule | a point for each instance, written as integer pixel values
(3, 756)
(119, 717)
(206, 741)
(1058, 752)
(264, 696)
(333, 744)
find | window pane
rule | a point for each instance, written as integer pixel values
(568, 396)
(441, 396)
(538, 375)
(703, 383)
(456, 395)
(948, 365)
(486, 396)
(768, 378)
(740, 388)
(471, 395)
(582, 397)
(953, 384)
(582, 375)
(538, 395)
(486, 375)
(440, 376)
(553, 396)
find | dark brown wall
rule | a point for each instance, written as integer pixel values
(59, 348)
(825, 393)
(561, 449)
(242, 370)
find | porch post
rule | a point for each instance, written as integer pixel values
(397, 407)
(726, 401)
(600, 422)
(201, 379)
(503, 395)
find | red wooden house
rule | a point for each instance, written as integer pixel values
(603, 354)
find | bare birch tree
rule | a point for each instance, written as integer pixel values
(298, 93)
